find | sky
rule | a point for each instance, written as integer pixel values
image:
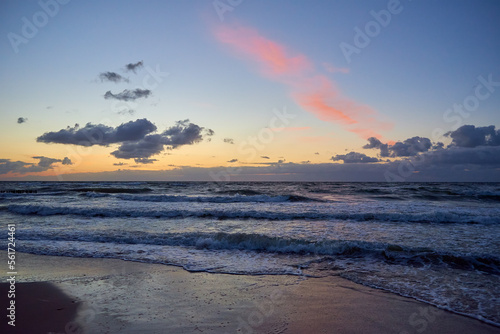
(250, 90)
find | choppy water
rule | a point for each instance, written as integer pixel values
(436, 242)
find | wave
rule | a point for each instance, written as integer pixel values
(247, 192)
(310, 214)
(439, 192)
(218, 199)
(113, 190)
(389, 253)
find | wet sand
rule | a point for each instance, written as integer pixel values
(113, 296)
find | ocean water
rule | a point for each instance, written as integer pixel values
(435, 242)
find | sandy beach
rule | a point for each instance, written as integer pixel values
(79, 295)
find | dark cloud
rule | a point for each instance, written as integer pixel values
(408, 148)
(128, 95)
(67, 161)
(376, 143)
(317, 153)
(136, 138)
(467, 136)
(46, 162)
(264, 157)
(143, 148)
(183, 133)
(361, 172)
(21, 120)
(134, 66)
(306, 162)
(120, 164)
(438, 146)
(112, 76)
(354, 157)
(127, 112)
(228, 140)
(480, 155)
(7, 166)
(233, 160)
(471, 136)
(144, 160)
(373, 143)
(21, 167)
(99, 134)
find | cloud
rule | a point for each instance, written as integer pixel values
(128, 95)
(7, 166)
(437, 146)
(120, 164)
(264, 157)
(360, 172)
(373, 143)
(21, 167)
(228, 140)
(136, 138)
(183, 133)
(67, 161)
(144, 160)
(408, 148)
(354, 157)
(233, 160)
(144, 148)
(314, 92)
(127, 112)
(46, 162)
(272, 57)
(113, 77)
(479, 155)
(21, 120)
(471, 136)
(99, 134)
(134, 66)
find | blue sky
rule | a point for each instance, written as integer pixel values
(430, 56)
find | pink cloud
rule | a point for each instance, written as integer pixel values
(271, 55)
(314, 92)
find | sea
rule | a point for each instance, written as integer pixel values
(435, 242)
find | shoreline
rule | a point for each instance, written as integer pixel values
(116, 296)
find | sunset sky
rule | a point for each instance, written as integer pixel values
(231, 90)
